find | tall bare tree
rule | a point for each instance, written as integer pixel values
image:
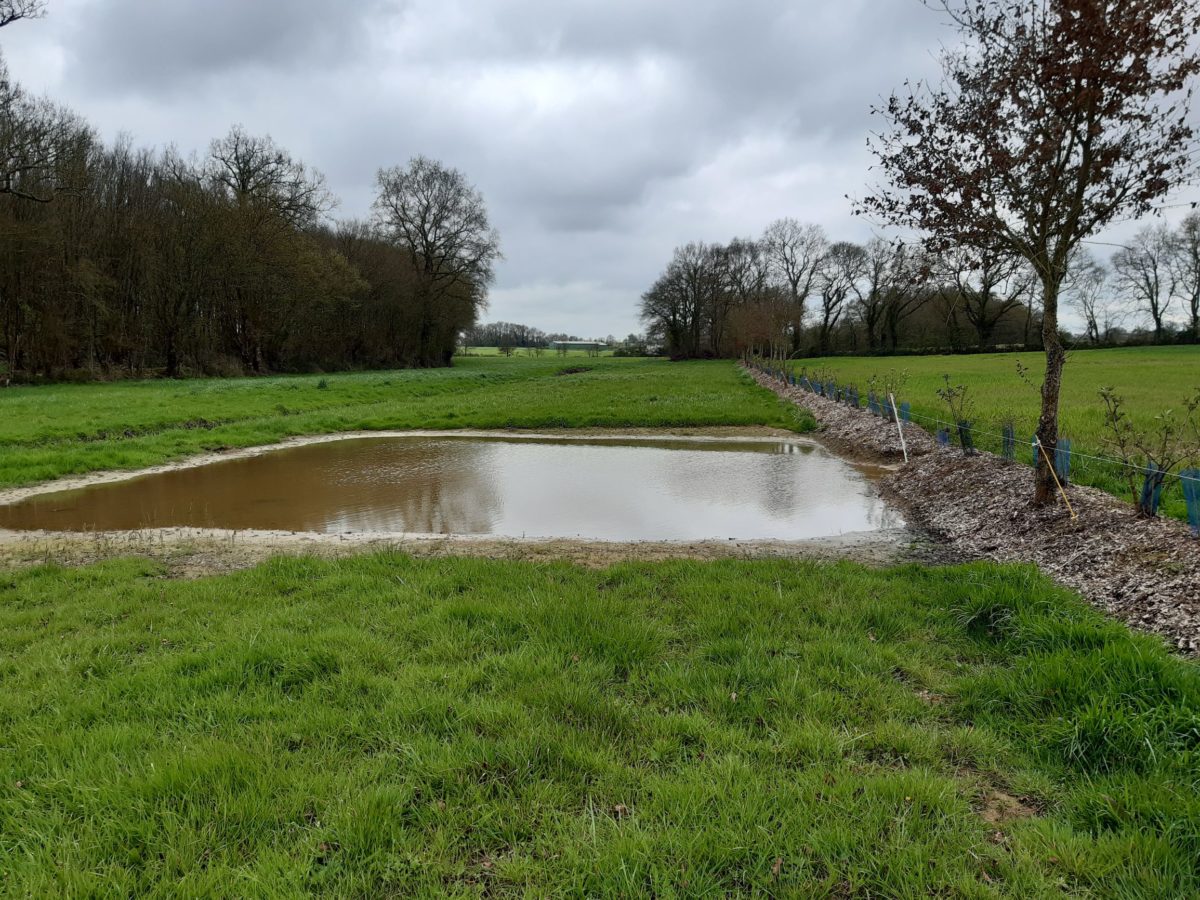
(1087, 289)
(255, 171)
(1055, 118)
(909, 294)
(842, 269)
(794, 253)
(1143, 272)
(988, 286)
(1185, 271)
(884, 278)
(432, 211)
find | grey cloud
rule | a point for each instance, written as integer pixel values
(147, 46)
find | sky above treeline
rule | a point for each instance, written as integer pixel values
(602, 134)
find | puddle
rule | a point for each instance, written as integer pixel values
(611, 489)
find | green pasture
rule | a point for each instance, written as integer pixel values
(388, 727)
(55, 430)
(468, 352)
(1151, 380)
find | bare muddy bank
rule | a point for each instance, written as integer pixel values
(1146, 573)
(198, 552)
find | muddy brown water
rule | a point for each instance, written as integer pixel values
(623, 489)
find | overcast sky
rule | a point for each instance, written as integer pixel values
(602, 134)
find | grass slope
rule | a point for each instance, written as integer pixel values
(46, 432)
(388, 727)
(1150, 379)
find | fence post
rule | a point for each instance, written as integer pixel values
(899, 427)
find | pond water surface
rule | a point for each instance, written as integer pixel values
(668, 489)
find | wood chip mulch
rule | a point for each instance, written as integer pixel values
(1144, 572)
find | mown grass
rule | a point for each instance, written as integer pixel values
(50, 431)
(383, 726)
(1151, 380)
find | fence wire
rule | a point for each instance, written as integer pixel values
(942, 430)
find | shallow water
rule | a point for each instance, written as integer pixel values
(669, 489)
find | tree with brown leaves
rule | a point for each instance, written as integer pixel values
(1055, 119)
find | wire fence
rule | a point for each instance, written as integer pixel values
(1151, 485)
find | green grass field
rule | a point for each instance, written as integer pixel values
(383, 726)
(388, 727)
(51, 431)
(1150, 379)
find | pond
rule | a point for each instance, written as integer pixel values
(624, 489)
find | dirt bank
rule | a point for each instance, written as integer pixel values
(193, 552)
(1146, 573)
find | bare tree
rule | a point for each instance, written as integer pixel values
(1055, 119)
(1185, 271)
(253, 170)
(432, 211)
(842, 268)
(909, 292)
(1143, 273)
(15, 10)
(1087, 290)
(988, 287)
(745, 271)
(794, 253)
(35, 137)
(884, 277)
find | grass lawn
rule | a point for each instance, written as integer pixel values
(1150, 379)
(381, 726)
(50, 431)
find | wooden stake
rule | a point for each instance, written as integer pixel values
(1054, 475)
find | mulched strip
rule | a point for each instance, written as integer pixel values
(1144, 572)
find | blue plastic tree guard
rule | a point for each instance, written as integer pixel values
(1152, 489)
(1062, 460)
(943, 437)
(1191, 495)
(966, 439)
(1010, 443)
(906, 412)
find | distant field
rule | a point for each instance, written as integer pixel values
(381, 726)
(1150, 379)
(521, 351)
(50, 431)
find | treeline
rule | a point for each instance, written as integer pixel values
(517, 336)
(507, 334)
(794, 292)
(117, 260)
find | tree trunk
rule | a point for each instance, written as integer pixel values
(1045, 486)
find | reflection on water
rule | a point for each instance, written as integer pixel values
(606, 489)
